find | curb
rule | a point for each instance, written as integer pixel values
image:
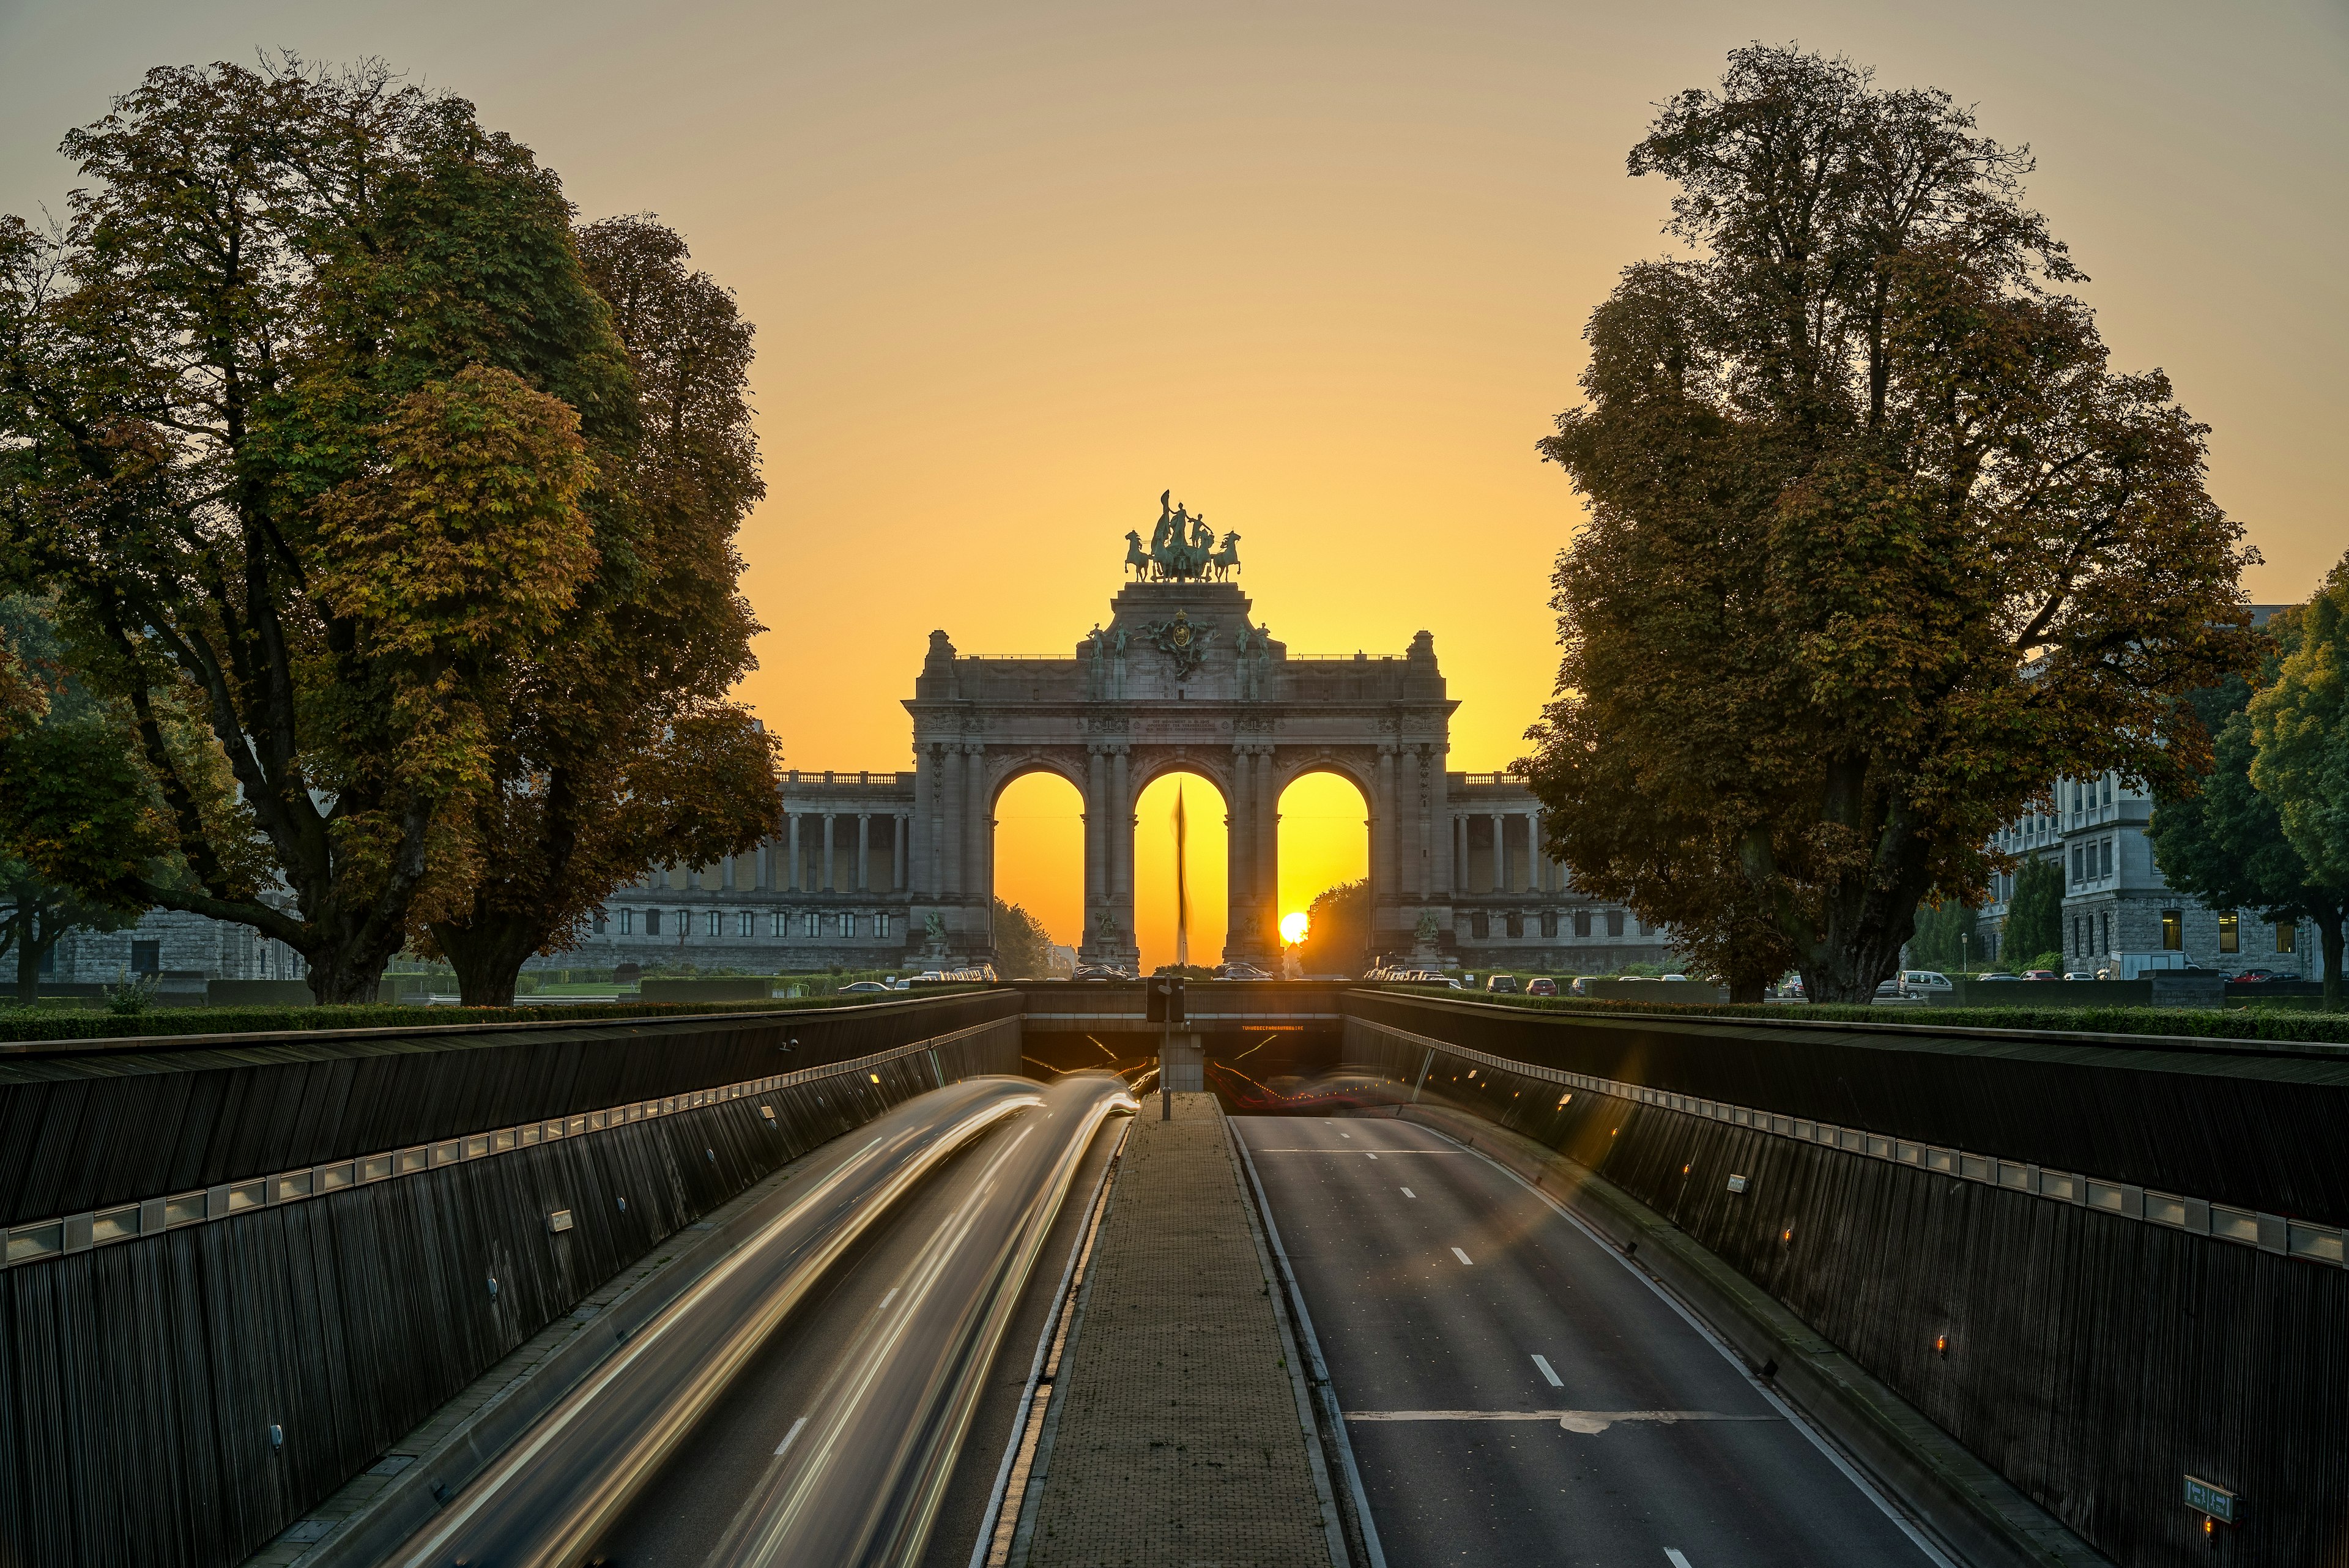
(1977, 1512)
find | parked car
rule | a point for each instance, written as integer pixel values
(1100, 971)
(1888, 988)
(2258, 977)
(2000, 974)
(859, 987)
(1541, 987)
(1927, 983)
(1502, 985)
(1671, 977)
(2041, 974)
(1581, 986)
(2080, 974)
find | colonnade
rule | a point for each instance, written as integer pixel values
(1540, 874)
(786, 866)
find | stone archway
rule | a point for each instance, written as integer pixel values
(1180, 676)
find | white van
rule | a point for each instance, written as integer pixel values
(1926, 984)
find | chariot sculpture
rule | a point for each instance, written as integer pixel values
(1183, 548)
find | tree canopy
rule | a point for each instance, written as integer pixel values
(77, 821)
(618, 746)
(1338, 930)
(404, 564)
(1878, 541)
(1023, 948)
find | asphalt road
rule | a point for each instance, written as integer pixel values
(1516, 1394)
(683, 1513)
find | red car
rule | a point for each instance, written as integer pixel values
(2041, 974)
(1541, 988)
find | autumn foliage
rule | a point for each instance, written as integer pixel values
(1879, 540)
(329, 450)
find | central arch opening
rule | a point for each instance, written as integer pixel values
(1325, 867)
(1039, 873)
(1206, 838)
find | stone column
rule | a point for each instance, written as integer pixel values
(951, 800)
(1120, 827)
(1267, 856)
(1459, 856)
(792, 880)
(1382, 883)
(1424, 883)
(921, 845)
(1096, 844)
(1500, 853)
(1537, 880)
(1239, 855)
(863, 851)
(978, 824)
(830, 884)
(898, 824)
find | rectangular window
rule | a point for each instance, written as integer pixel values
(652, 922)
(602, 924)
(146, 957)
(2105, 857)
(816, 925)
(847, 926)
(2075, 799)
(2230, 933)
(881, 926)
(2108, 789)
(2173, 930)
(49, 961)
(2079, 864)
(1581, 922)
(1517, 927)
(627, 922)
(1614, 922)
(1549, 922)
(2287, 936)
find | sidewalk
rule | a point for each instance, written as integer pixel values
(1179, 1438)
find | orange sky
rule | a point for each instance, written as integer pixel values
(1322, 268)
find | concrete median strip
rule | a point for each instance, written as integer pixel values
(1589, 1423)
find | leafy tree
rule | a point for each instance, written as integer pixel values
(75, 811)
(1023, 948)
(1877, 540)
(1338, 930)
(616, 747)
(1946, 936)
(2297, 728)
(303, 413)
(2035, 916)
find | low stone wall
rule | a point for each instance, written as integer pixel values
(178, 1397)
(2094, 1340)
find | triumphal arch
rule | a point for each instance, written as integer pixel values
(883, 869)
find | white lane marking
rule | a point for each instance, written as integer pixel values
(1325, 1149)
(1345, 1134)
(1366, 1154)
(791, 1437)
(1930, 1553)
(887, 1299)
(1407, 1192)
(1463, 1257)
(1555, 1380)
(1673, 1555)
(1589, 1423)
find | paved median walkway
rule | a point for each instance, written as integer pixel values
(1179, 1440)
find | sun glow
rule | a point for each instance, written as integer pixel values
(1292, 927)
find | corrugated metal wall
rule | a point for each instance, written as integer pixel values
(2251, 1122)
(138, 1381)
(2094, 1360)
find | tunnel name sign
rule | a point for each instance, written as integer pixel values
(2214, 1501)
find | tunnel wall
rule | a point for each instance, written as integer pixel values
(2094, 1360)
(139, 1380)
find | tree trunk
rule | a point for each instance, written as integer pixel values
(488, 956)
(2328, 933)
(28, 952)
(1742, 990)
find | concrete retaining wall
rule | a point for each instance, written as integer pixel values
(179, 1397)
(2093, 1359)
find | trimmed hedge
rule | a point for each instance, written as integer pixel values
(2207, 1024)
(90, 1024)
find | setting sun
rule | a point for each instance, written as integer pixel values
(1292, 927)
